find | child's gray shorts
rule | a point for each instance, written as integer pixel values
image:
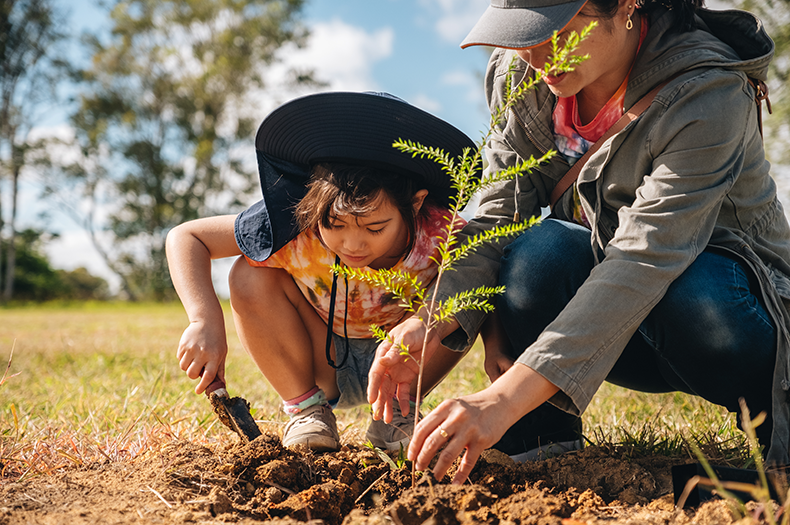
(352, 377)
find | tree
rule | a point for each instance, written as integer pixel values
(167, 102)
(30, 31)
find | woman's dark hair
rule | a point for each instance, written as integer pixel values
(348, 189)
(684, 9)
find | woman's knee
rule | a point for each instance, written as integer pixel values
(714, 308)
(551, 256)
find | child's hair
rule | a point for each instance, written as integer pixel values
(348, 189)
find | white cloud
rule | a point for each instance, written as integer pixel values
(423, 101)
(455, 18)
(340, 54)
(343, 54)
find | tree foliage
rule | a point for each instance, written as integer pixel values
(30, 68)
(36, 280)
(169, 99)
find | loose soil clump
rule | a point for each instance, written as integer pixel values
(263, 482)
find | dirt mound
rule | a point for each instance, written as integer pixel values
(262, 481)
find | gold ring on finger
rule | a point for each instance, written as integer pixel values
(444, 433)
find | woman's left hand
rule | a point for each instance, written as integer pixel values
(467, 425)
(470, 424)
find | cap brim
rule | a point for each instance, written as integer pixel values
(518, 28)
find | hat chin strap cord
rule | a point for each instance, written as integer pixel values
(331, 321)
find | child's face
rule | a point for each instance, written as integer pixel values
(377, 239)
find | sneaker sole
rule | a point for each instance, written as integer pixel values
(391, 446)
(315, 443)
(547, 451)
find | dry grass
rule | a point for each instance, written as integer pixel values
(96, 382)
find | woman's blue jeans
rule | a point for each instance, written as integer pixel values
(709, 336)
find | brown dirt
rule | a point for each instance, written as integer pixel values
(260, 481)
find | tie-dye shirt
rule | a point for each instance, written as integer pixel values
(573, 138)
(308, 261)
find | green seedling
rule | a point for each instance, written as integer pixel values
(422, 300)
(395, 464)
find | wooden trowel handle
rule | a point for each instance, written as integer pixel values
(218, 388)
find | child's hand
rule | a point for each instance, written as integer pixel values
(201, 353)
(392, 373)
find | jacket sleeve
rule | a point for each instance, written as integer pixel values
(698, 153)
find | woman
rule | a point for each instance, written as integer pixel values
(663, 267)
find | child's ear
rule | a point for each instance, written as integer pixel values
(418, 200)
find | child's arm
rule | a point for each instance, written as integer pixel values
(190, 248)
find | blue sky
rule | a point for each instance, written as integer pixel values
(415, 52)
(409, 48)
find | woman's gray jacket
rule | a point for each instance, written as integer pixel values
(688, 175)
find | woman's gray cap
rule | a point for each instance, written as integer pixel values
(516, 24)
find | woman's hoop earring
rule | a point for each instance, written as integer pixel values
(629, 25)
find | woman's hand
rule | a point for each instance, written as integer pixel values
(392, 373)
(201, 353)
(467, 425)
(473, 423)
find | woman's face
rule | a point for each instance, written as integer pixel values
(611, 48)
(377, 239)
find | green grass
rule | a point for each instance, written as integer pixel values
(97, 380)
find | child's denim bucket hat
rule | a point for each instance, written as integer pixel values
(353, 128)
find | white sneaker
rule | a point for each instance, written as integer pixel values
(394, 436)
(315, 427)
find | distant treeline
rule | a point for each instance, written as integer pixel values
(36, 280)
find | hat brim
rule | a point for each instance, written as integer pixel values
(518, 28)
(269, 224)
(360, 128)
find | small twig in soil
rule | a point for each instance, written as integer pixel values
(369, 487)
(275, 485)
(430, 486)
(690, 485)
(160, 497)
(31, 498)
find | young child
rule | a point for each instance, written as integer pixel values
(335, 191)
